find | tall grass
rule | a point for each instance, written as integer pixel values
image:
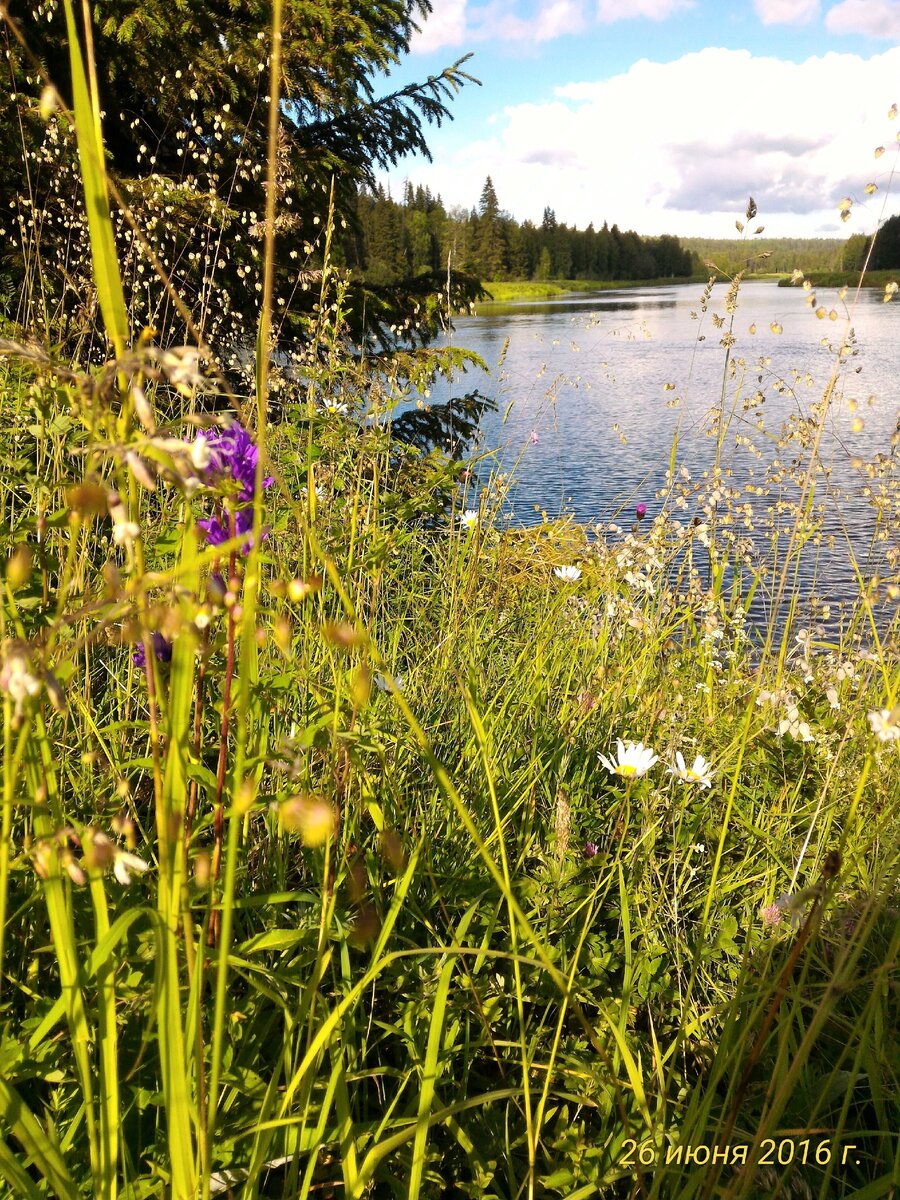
(312, 879)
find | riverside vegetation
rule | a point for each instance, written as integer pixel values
(354, 843)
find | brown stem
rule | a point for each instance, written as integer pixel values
(219, 818)
(198, 738)
(194, 788)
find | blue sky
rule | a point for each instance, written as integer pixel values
(665, 115)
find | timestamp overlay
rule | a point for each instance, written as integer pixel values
(770, 1152)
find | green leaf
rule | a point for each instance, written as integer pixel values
(91, 156)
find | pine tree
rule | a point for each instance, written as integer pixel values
(490, 248)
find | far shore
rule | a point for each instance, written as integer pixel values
(503, 291)
(839, 279)
(508, 291)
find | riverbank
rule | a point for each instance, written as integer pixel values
(506, 290)
(839, 279)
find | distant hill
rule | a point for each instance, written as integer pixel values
(783, 254)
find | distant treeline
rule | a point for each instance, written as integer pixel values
(397, 239)
(812, 255)
(885, 254)
(767, 255)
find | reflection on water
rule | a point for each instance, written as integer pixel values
(598, 395)
(584, 302)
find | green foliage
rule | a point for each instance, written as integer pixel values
(335, 892)
(886, 248)
(767, 255)
(853, 256)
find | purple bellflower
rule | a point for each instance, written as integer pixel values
(232, 457)
(162, 648)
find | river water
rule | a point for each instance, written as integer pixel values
(593, 391)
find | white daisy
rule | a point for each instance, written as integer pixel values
(632, 759)
(383, 683)
(701, 772)
(469, 518)
(568, 574)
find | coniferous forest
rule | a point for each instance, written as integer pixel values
(396, 239)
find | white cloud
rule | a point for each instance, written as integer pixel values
(656, 10)
(455, 22)
(512, 21)
(877, 18)
(446, 26)
(678, 147)
(786, 12)
(557, 18)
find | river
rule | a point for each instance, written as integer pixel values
(594, 389)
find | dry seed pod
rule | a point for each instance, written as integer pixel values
(18, 569)
(88, 499)
(309, 815)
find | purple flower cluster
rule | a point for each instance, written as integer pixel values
(232, 456)
(162, 648)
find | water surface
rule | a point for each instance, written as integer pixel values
(609, 382)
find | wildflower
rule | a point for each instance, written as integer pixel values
(469, 518)
(100, 851)
(162, 649)
(886, 724)
(641, 511)
(701, 772)
(590, 850)
(771, 915)
(16, 678)
(181, 365)
(792, 906)
(383, 683)
(200, 453)
(568, 574)
(232, 456)
(142, 408)
(799, 730)
(633, 758)
(124, 531)
(140, 471)
(124, 863)
(302, 589)
(71, 866)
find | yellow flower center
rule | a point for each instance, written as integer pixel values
(627, 769)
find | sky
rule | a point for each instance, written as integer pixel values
(665, 116)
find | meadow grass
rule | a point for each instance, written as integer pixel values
(321, 868)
